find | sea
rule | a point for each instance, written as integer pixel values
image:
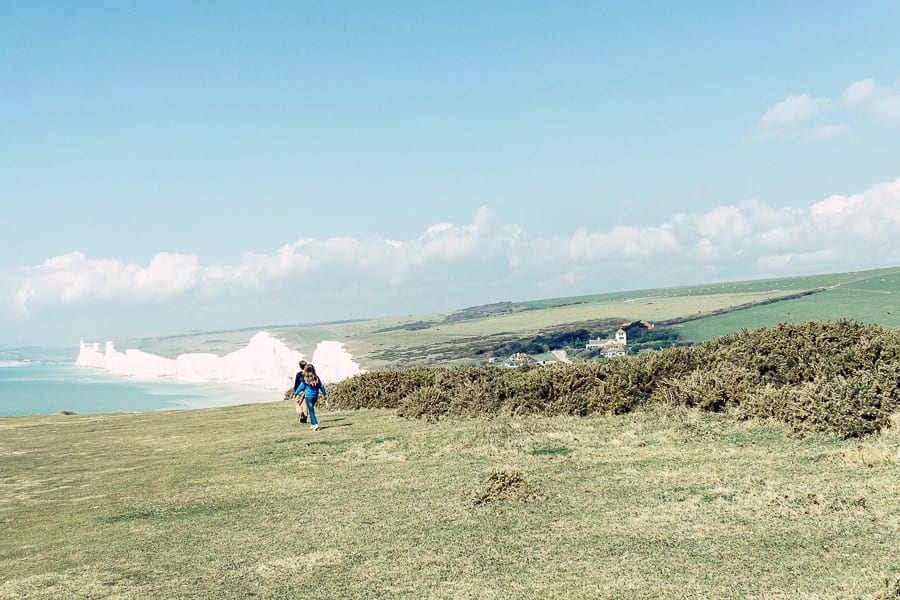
(48, 382)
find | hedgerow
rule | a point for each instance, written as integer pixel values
(839, 377)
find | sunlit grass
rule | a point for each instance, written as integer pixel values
(870, 299)
(240, 501)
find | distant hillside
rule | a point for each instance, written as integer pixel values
(870, 297)
(683, 315)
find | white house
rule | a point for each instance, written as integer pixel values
(604, 345)
(613, 350)
(518, 359)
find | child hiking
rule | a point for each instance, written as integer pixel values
(311, 386)
(300, 406)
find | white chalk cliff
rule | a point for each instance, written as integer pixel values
(265, 361)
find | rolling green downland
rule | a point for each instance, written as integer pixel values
(870, 297)
(245, 502)
(698, 312)
(469, 336)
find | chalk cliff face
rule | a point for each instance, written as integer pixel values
(265, 361)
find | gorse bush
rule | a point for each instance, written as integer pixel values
(430, 403)
(852, 406)
(713, 389)
(840, 377)
(789, 354)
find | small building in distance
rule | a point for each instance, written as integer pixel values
(517, 360)
(621, 339)
(610, 348)
(613, 350)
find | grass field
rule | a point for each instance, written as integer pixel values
(868, 297)
(245, 502)
(672, 503)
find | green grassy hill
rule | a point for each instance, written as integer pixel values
(244, 502)
(699, 313)
(471, 335)
(870, 297)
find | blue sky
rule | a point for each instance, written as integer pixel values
(176, 166)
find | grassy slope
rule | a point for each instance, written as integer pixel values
(529, 322)
(239, 501)
(871, 297)
(862, 296)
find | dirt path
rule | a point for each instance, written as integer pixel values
(561, 355)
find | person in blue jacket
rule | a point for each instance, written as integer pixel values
(311, 386)
(300, 406)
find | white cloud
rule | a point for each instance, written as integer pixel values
(487, 260)
(881, 102)
(74, 277)
(792, 116)
(753, 239)
(793, 109)
(859, 92)
(820, 132)
(621, 243)
(835, 208)
(790, 261)
(167, 274)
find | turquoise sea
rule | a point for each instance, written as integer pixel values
(39, 387)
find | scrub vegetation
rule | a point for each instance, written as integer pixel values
(841, 378)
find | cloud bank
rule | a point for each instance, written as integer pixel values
(488, 260)
(797, 115)
(756, 240)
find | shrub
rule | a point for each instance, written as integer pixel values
(472, 398)
(613, 395)
(431, 403)
(850, 407)
(838, 377)
(790, 354)
(712, 390)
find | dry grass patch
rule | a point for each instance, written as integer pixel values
(891, 589)
(880, 451)
(376, 450)
(504, 483)
(871, 455)
(279, 567)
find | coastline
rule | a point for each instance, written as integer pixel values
(50, 388)
(105, 380)
(265, 362)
